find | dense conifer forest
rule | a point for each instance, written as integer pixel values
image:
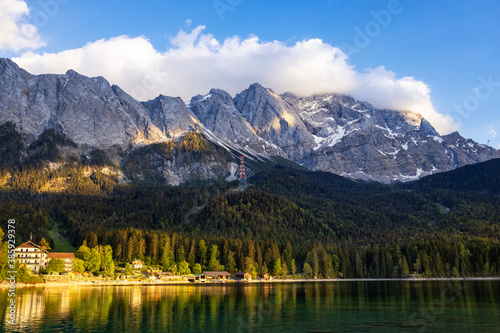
(288, 221)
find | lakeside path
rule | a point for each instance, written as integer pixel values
(5, 285)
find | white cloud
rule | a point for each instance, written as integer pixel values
(189, 22)
(381, 88)
(197, 62)
(16, 33)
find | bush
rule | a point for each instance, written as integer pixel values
(55, 265)
(24, 276)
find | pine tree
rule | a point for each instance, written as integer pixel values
(277, 268)
(439, 271)
(405, 270)
(192, 254)
(231, 262)
(153, 246)
(141, 248)
(307, 270)
(202, 251)
(180, 254)
(213, 263)
(259, 258)
(166, 256)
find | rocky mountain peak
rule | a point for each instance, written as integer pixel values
(328, 132)
(11, 74)
(224, 121)
(88, 110)
(427, 128)
(8, 65)
(171, 115)
(453, 136)
(71, 73)
(356, 140)
(275, 120)
(214, 94)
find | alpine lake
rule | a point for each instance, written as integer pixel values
(339, 306)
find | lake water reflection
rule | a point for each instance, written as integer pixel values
(383, 306)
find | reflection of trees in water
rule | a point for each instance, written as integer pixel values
(207, 307)
(137, 308)
(30, 306)
(90, 307)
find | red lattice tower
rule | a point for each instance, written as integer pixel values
(243, 175)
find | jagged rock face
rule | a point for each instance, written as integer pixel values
(220, 116)
(192, 157)
(176, 175)
(275, 120)
(171, 116)
(325, 132)
(356, 140)
(14, 102)
(86, 109)
(140, 116)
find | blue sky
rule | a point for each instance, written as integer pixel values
(440, 58)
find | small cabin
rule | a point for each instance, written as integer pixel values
(217, 275)
(265, 276)
(198, 278)
(164, 275)
(245, 276)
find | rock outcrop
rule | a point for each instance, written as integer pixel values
(87, 110)
(326, 132)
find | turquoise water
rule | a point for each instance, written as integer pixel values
(386, 306)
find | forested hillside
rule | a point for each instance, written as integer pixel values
(289, 220)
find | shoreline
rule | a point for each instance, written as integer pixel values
(6, 285)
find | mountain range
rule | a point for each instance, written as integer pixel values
(327, 132)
